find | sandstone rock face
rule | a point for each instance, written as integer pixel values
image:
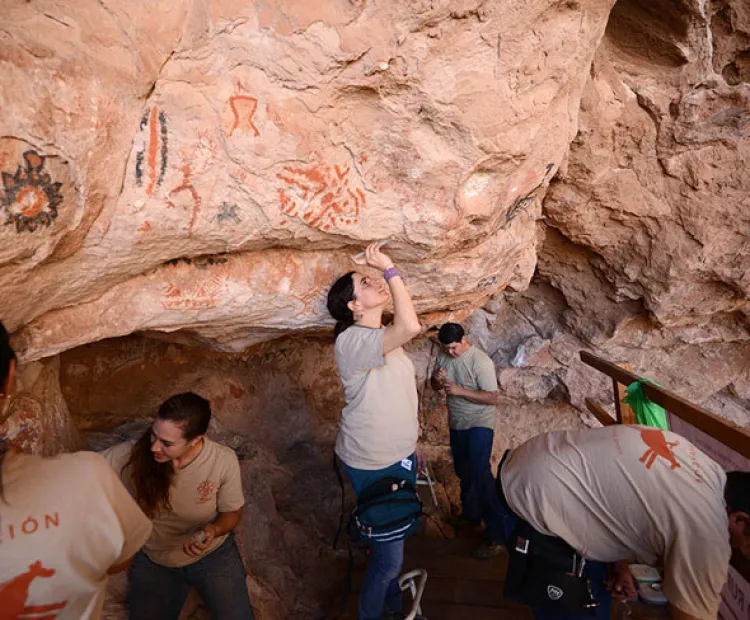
(204, 168)
(557, 175)
(37, 414)
(648, 236)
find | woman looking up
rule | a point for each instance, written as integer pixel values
(379, 426)
(192, 489)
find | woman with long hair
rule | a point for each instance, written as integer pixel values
(191, 488)
(379, 425)
(66, 522)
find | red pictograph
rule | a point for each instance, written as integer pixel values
(243, 108)
(320, 195)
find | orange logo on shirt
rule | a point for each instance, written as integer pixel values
(14, 594)
(658, 446)
(205, 489)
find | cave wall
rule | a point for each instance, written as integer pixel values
(179, 191)
(201, 170)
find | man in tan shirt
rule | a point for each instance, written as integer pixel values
(624, 494)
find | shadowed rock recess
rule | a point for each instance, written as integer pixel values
(182, 181)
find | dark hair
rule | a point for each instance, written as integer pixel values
(7, 355)
(339, 296)
(450, 333)
(150, 480)
(737, 491)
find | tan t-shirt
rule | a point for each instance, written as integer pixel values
(64, 522)
(629, 492)
(210, 484)
(475, 371)
(379, 425)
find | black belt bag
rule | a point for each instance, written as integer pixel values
(545, 571)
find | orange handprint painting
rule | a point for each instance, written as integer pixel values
(658, 446)
(15, 593)
(320, 195)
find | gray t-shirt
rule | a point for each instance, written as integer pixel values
(629, 493)
(379, 425)
(476, 371)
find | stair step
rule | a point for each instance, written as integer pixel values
(459, 567)
(452, 590)
(453, 611)
(461, 547)
(436, 610)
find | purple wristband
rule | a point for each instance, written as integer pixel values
(391, 272)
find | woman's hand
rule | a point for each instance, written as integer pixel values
(374, 257)
(200, 540)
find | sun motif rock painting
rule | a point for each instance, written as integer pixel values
(30, 198)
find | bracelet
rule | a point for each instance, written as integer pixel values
(391, 272)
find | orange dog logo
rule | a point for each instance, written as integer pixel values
(15, 593)
(658, 446)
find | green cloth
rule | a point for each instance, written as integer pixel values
(647, 412)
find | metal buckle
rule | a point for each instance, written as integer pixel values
(522, 545)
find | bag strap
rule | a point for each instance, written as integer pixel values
(350, 562)
(337, 469)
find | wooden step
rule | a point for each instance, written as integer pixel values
(458, 567)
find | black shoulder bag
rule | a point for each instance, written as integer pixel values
(545, 571)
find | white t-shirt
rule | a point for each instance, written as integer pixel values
(379, 425)
(629, 493)
(64, 522)
(208, 485)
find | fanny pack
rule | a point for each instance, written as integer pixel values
(388, 509)
(545, 571)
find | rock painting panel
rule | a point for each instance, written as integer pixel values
(188, 289)
(187, 186)
(202, 295)
(30, 198)
(320, 195)
(152, 157)
(228, 214)
(523, 202)
(243, 110)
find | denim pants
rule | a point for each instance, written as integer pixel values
(472, 449)
(595, 571)
(380, 587)
(158, 592)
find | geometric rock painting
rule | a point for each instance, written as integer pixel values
(30, 198)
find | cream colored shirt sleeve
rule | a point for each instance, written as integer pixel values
(359, 349)
(485, 372)
(695, 572)
(230, 496)
(136, 527)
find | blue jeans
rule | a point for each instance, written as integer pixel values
(595, 571)
(380, 587)
(472, 449)
(158, 592)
